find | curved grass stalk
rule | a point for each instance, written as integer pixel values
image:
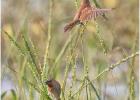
(109, 68)
(31, 61)
(23, 52)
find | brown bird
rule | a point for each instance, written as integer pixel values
(54, 88)
(86, 12)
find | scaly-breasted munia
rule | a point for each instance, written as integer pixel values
(54, 88)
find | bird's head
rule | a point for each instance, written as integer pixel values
(49, 82)
(85, 2)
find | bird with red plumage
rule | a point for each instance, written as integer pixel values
(86, 12)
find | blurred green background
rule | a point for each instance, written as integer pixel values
(120, 33)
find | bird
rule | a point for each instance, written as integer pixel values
(54, 88)
(86, 12)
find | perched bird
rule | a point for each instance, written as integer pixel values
(86, 12)
(54, 88)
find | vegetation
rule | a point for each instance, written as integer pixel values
(94, 61)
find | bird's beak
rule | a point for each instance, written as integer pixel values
(47, 82)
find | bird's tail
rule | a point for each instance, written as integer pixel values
(70, 25)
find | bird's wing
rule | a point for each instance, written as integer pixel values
(92, 13)
(85, 14)
(96, 12)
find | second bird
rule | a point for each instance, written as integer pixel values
(54, 88)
